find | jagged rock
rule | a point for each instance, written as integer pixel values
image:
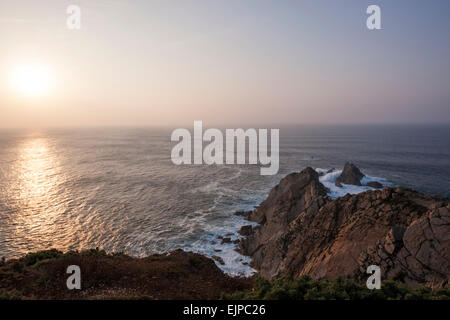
(245, 230)
(421, 252)
(303, 232)
(394, 239)
(350, 175)
(243, 213)
(297, 192)
(375, 184)
(226, 240)
(218, 259)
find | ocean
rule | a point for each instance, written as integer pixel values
(117, 189)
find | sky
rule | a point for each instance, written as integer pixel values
(225, 62)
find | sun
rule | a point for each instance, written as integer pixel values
(31, 80)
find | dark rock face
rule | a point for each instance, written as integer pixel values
(303, 232)
(218, 259)
(226, 240)
(350, 175)
(296, 193)
(420, 250)
(375, 184)
(245, 230)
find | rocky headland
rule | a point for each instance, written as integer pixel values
(302, 231)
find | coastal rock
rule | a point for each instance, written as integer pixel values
(242, 213)
(296, 193)
(226, 240)
(218, 259)
(245, 230)
(421, 252)
(350, 175)
(375, 184)
(303, 232)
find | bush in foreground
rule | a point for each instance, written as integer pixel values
(306, 288)
(176, 275)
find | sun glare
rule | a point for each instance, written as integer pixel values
(31, 80)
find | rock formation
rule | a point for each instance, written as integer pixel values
(375, 184)
(350, 175)
(303, 232)
(297, 192)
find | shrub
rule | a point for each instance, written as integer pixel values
(32, 258)
(305, 288)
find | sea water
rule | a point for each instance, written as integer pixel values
(117, 189)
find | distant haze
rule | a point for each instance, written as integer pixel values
(232, 62)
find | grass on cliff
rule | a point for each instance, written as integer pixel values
(306, 288)
(178, 275)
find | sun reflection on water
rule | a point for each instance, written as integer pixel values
(36, 165)
(37, 193)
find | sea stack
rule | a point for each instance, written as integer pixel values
(350, 175)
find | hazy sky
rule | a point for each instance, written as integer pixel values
(232, 62)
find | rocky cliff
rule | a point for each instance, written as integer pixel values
(304, 232)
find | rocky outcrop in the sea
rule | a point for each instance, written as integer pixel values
(374, 184)
(350, 175)
(303, 232)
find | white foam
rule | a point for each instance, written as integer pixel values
(235, 264)
(329, 179)
(215, 225)
(232, 259)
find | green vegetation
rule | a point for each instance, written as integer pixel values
(180, 275)
(4, 295)
(35, 257)
(306, 288)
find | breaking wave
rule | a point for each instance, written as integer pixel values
(328, 178)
